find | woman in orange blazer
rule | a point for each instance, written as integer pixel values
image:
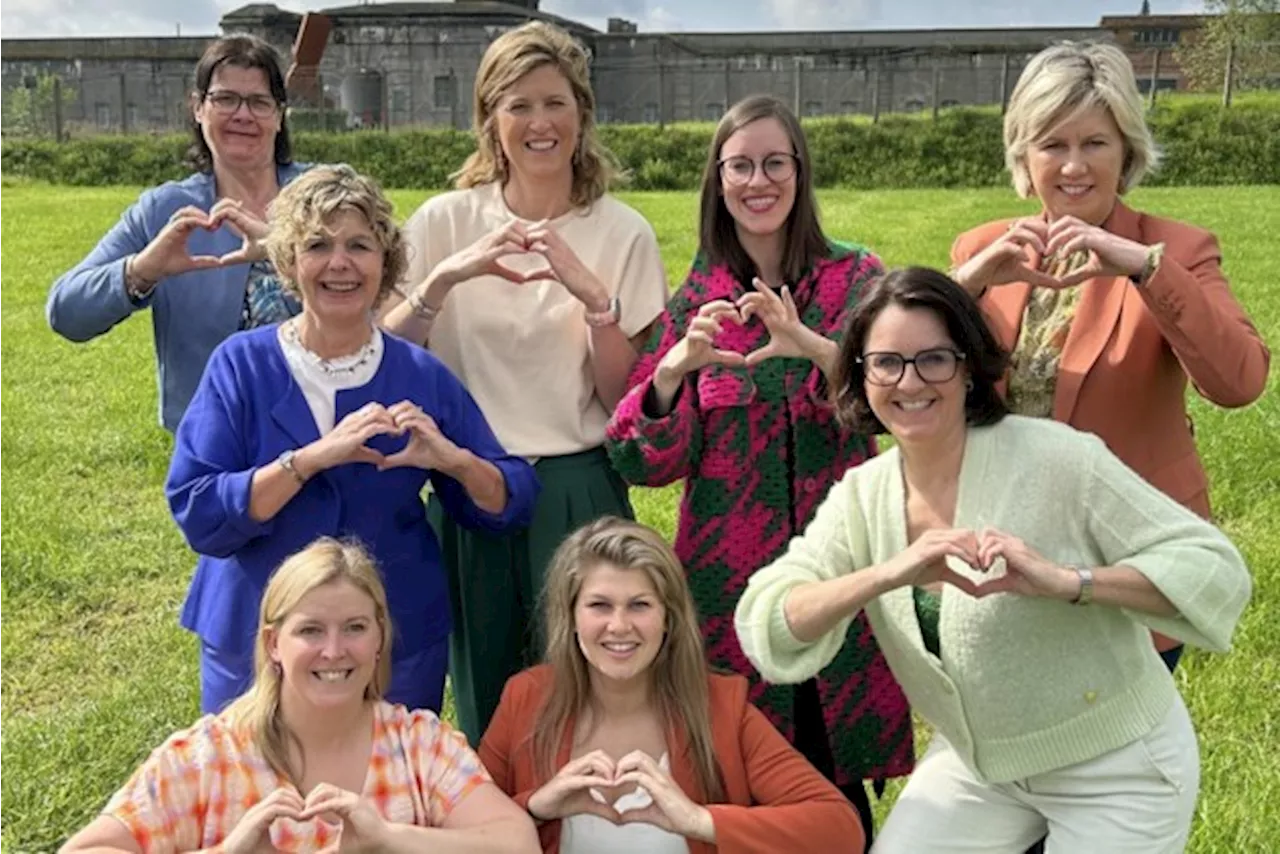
(623, 741)
(1107, 311)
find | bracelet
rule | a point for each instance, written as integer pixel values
(420, 309)
(134, 285)
(286, 462)
(609, 317)
(1085, 596)
(1155, 253)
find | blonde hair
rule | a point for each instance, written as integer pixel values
(325, 561)
(680, 670)
(1060, 82)
(511, 56)
(306, 206)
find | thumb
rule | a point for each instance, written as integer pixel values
(365, 454)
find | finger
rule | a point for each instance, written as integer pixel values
(201, 262)
(789, 302)
(648, 814)
(730, 358)
(240, 256)
(638, 760)
(766, 352)
(595, 762)
(1022, 238)
(716, 307)
(340, 804)
(605, 811)
(705, 326)
(186, 224)
(398, 460)
(763, 289)
(1007, 583)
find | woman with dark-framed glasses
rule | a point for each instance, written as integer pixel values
(1012, 568)
(730, 396)
(182, 248)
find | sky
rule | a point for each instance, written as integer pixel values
(36, 18)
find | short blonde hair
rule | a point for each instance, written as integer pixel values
(325, 561)
(1063, 80)
(511, 56)
(306, 206)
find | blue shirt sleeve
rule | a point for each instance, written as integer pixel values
(90, 298)
(210, 476)
(466, 427)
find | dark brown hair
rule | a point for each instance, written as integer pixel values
(240, 51)
(718, 234)
(921, 288)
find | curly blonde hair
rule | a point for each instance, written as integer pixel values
(511, 56)
(305, 207)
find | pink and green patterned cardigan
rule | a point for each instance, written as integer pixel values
(758, 448)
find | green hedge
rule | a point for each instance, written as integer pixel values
(1203, 144)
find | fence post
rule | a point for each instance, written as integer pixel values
(937, 84)
(728, 99)
(124, 104)
(1228, 76)
(57, 108)
(875, 95)
(662, 92)
(1155, 78)
(796, 93)
(1004, 83)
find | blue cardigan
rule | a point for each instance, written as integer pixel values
(248, 410)
(190, 313)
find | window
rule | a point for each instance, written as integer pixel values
(132, 112)
(604, 113)
(848, 107)
(102, 114)
(914, 105)
(651, 113)
(813, 108)
(713, 111)
(442, 91)
(399, 102)
(1156, 36)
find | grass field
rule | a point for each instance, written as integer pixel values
(96, 672)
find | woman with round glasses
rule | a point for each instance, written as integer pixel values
(1012, 568)
(181, 249)
(730, 396)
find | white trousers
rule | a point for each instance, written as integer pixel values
(1135, 800)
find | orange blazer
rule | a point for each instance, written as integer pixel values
(1131, 349)
(776, 800)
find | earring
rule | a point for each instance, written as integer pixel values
(968, 384)
(499, 159)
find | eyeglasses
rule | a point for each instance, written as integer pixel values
(227, 102)
(937, 365)
(777, 167)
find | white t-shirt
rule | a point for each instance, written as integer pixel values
(320, 387)
(521, 350)
(590, 834)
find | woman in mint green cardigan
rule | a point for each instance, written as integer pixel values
(1011, 569)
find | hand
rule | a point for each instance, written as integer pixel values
(168, 255)
(787, 335)
(566, 267)
(1006, 259)
(345, 443)
(1109, 254)
(363, 829)
(1027, 572)
(697, 349)
(569, 791)
(482, 258)
(924, 561)
(428, 448)
(251, 834)
(251, 230)
(671, 810)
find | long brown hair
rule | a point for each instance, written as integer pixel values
(511, 56)
(680, 670)
(718, 233)
(325, 561)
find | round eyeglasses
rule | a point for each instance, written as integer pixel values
(227, 102)
(777, 167)
(937, 365)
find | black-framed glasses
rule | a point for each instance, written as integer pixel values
(778, 166)
(936, 365)
(227, 102)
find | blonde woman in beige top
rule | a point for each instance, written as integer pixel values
(537, 289)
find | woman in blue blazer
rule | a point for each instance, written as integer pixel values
(179, 249)
(325, 425)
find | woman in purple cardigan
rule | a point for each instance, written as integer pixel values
(324, 425)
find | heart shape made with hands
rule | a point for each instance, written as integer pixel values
(525, 245)
(292, 834)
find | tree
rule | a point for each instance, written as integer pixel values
(1246, 30)
(29, 110)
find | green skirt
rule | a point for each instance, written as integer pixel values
(495, 580)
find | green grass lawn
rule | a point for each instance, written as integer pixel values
(96, 672)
